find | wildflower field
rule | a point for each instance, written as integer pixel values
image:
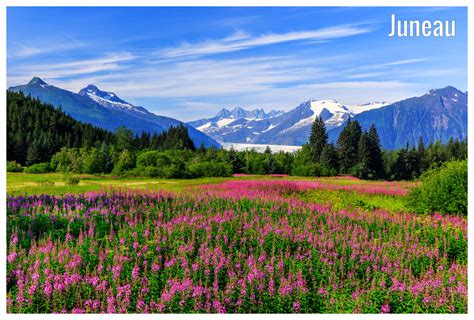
(238, 245)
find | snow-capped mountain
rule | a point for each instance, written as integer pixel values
(275, 127)
(356, 109)
(106, 110)
(332, 112)
(110, 100)
(440, 114)
(227, 121)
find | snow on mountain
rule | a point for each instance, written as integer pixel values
(108, 99)
(356, 109)
(333, 113)
(278, 127)
(227, 121)
(106, 110)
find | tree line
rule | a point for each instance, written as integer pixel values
(44, 138)
(359, 153)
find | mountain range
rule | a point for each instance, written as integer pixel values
(440, 114)
(106, 110)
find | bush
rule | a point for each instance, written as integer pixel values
(44, 167)
(442, 190)
(71, 180)
(12, 166)
(210, 169)
(313, 170)
(126, 162)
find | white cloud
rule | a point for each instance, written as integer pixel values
(242, 41)
(110, 62)
(19, 50)
(400, 62)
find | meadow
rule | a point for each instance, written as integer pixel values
(243, 244)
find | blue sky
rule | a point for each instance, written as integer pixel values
(188, 63)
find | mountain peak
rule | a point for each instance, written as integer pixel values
(36, 81)
(92, 91)
(91, 88)
(446, 91)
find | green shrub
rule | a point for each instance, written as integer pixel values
(442, 190)
(44, 167)
(126, 162)
(309, 170)
(210, 169)
(12, 166)
(71, 180)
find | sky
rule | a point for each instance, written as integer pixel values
(188, 63)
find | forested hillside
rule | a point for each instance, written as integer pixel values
(36, 131)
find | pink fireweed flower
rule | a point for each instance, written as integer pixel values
(135, 272)
(385, 308)
(296, 306)
(12, 257)
(322, 291)
(155, 267)
(14, 239)
(48, 289)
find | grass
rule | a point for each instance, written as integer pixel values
(351, 199)
(55, 183)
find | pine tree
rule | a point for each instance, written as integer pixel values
(376, 160)
(329, 158)
(33, 153)
(400, 170)
(422, 155)
(124, 139)
(318, 138)
(364, 169)
(348, 146)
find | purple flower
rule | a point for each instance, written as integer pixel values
(385, 308)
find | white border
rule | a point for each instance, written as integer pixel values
(223, 3)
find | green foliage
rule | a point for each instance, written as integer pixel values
(329, 158)
(318, 139)
(308, 170)
(13, 166)
(125, 161)
(210, 169)
(70, 180)
(348, 145)
(36, 131)
(123, 139)
(39, 168)
(442, 189)
(96, 161)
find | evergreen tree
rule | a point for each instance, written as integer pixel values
(364, 169)
(318, 138)
(422, 156)
(400, 169)
(376, 160)
(329, 158)
(348, 146)
(413, 163)
(124, 139)
(33, 153)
